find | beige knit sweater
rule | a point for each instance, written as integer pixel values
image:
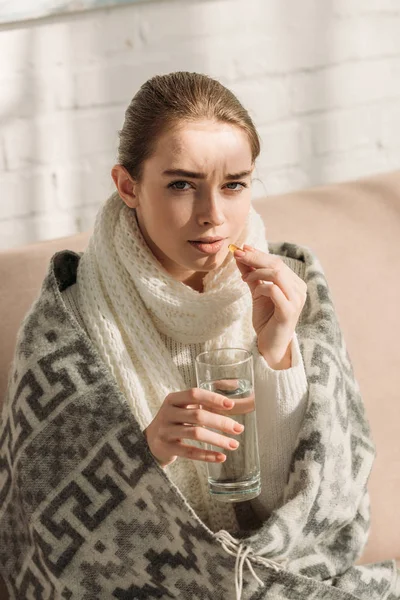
(280, 403)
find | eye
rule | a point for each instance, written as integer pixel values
(178, 184)
(241, 183)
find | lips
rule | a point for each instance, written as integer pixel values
(207, 240)
(208, 247)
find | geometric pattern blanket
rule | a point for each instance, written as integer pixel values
(87, 513)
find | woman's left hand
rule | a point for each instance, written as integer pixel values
(278, 299)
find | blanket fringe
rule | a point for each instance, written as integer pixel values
(245, 554)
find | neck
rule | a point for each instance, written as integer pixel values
(195, 281)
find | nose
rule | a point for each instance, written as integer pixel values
(210, 211)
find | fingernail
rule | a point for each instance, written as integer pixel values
(239, 253)
(249, 248)
(238, 427)
(233, 444)
(228, 403)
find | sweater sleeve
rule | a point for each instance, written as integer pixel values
(281, 399)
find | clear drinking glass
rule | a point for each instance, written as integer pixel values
(230, 372)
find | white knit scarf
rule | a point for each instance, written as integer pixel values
(127, 297)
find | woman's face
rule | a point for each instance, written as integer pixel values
(196, 184)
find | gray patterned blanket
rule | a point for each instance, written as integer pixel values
(86, 512)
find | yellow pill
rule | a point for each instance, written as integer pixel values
(232, 248)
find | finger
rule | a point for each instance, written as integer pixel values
(196, 396)
(282, 304)
(253, 281)
(205, 418)
(201, 434)
(194, 453)
(225, 385)
(280, 277)
(257, 258)
(244, 268)
(276, 265)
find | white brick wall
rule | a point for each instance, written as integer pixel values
(320, 79)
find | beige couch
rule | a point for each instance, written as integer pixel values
(354, 229)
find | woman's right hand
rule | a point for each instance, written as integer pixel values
(186, 415)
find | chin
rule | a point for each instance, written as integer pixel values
(209, 263)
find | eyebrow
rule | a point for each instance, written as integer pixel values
(193, 175)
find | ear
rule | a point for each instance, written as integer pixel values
(126, 186)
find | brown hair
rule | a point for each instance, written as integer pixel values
(164, 102)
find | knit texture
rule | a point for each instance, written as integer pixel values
(86, 512)
(281, 398)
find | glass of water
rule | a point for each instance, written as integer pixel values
(230, 372)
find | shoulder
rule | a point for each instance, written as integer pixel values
(50, 342)
(298, 257)
(62, 270)
(305, 263)
(48, 317)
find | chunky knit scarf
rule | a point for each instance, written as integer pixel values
(126, 298)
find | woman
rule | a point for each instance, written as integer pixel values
(104, 481)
